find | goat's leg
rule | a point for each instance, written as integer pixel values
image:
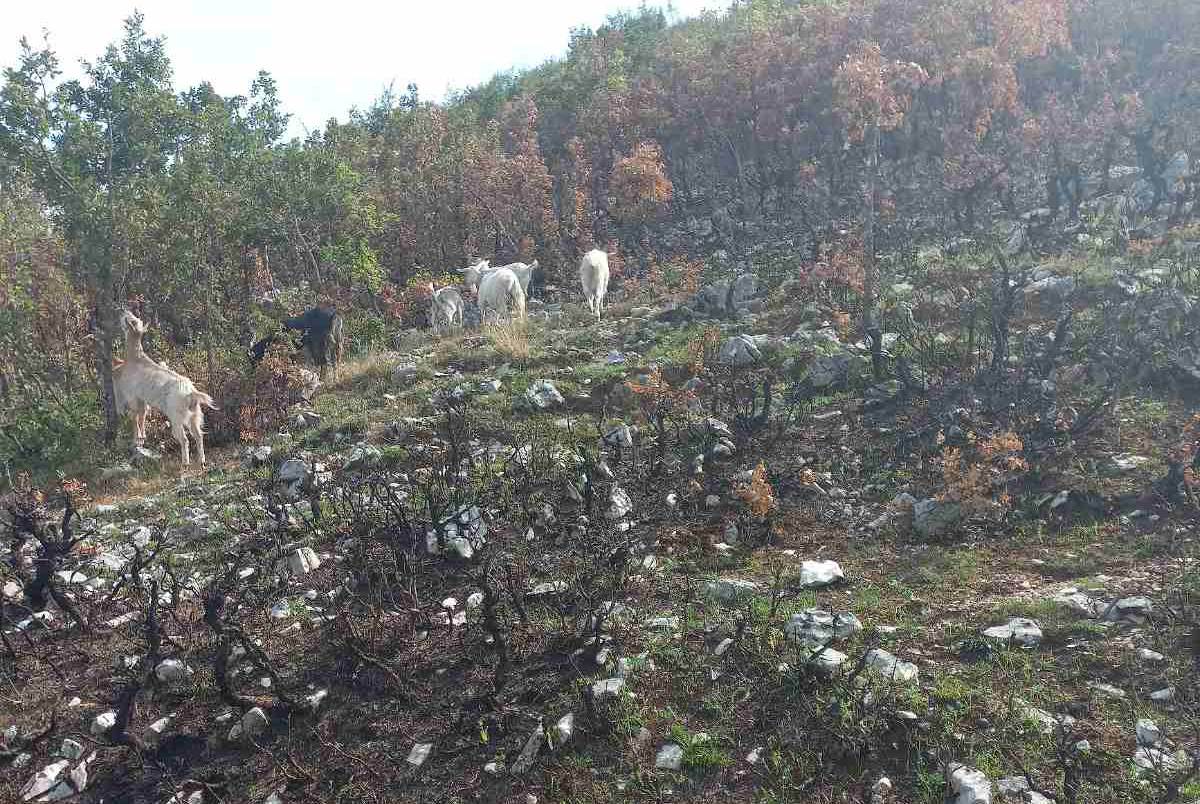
(195, 425)
(180, 432)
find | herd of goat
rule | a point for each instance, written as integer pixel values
(140, 383)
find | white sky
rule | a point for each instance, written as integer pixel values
(326, 57)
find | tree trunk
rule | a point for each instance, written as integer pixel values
(105, 326)
(870, 268)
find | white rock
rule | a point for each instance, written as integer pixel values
(728, 589)
(820, 573)
(71, 749)
(889, 667)
(419, 753)
(1148, 733)
(103, 723)
(822, 626)
(1107, 690)
(1020, 630)
(1164, 695)
(474, 600)
(670, 757)
(1157, 760)
(156, 730)
(880, 790)
(564, 729)
(302, 561)
(619, 504)
(172, 670)
(970, 786)
(607, 688)
(494, 768)
(44, 780)
(11, 590)
(1147, 655)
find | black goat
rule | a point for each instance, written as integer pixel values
(323, 336)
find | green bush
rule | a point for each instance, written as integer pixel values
(46, 432)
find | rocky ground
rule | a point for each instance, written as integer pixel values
(545, 565)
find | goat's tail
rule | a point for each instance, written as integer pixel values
(199, 398)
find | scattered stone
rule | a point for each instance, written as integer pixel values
(1155, 759)
(155, 731)
(1147, 655)
(607, 688)
(933, 517)
(404, 373)
(252, 724)
(546, 589)
(1046, 722)
(739, 351)
(670, 757)
(172, 671)
(889, 667)
(44, 780)
(363, 457)
(619, 504)
(419, 753)
(822, 626)
(726, 590)
(970, 786)
(71, 749)
(880, 790)
(1164, 695)
(563, 730)
(258, 456)
(493, 768)
(821, 656)
(1080, 603)
(820, 573)
(620, 435)
(1020, 630)
(1148, 733)
(1127, 463)
(543, 395)
(529, 752)
(1106, 690)
(103, 723)
(303, 560)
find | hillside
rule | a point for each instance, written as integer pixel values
(876, 481)
(632, 608)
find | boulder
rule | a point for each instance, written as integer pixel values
(670, 757)
(933, 517)
(363, 457)
(302, 561)
(418, 754)
(828, 371)
(727, 590)
(822, 626)
(739, 351)
(820, 573)
(969, 786)
(1020, 630)
(607, 688)
(619, 504)
(543, 395)
(462, 533)
(888, 667)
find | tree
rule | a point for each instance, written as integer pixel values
(873, 96)
(95, 149)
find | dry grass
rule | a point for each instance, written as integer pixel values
(511, 339)
(376, 365)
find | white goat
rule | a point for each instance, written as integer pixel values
(498, 289)
(593, 274)
(524, 272)
(446, 305)
(140, 383)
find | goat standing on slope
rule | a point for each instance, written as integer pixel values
(446, 305)
(140, 383)
(323, 336)
(498, 289)
(593, 274)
